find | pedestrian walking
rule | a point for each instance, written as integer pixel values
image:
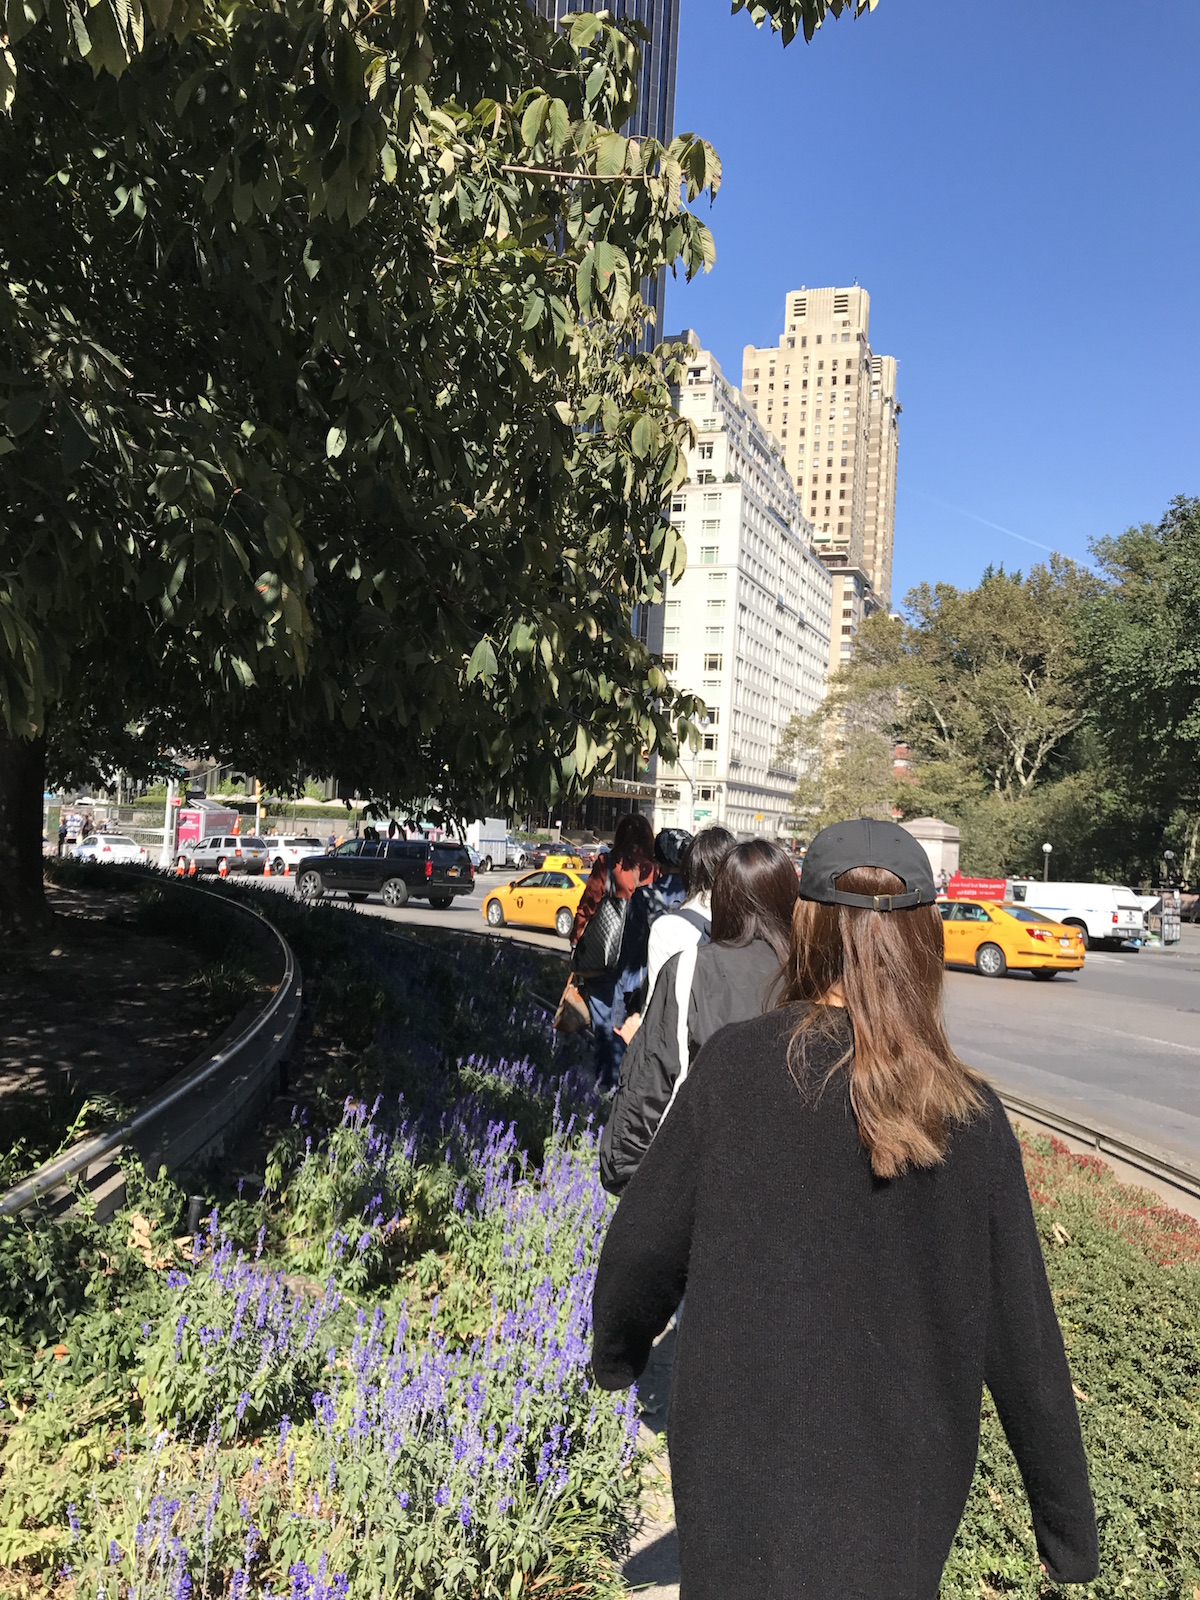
(845, 1201)
(599, 935)
(62, 837)
(702, 989)
(690, 922)
(651, 901)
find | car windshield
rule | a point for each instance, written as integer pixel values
(1024, 914)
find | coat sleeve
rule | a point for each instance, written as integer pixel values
(1027, 1373)
(644, 1262)
(593, 893)
(648, 1071)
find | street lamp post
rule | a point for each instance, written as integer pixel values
(1168, 857)
(1046, 849)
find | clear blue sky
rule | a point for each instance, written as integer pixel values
(1018, 187)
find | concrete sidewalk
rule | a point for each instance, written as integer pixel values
(652, 1567)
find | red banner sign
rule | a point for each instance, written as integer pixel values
(960, 888)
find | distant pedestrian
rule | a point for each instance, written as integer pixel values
(705, 987)
(85, 831)
(601, 955)
(690, 922)
(845, 1201)
(942, 881)
(62, 837)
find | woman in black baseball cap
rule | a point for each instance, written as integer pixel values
(844, 1203)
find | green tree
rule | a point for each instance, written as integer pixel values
(1141, 639)
(322, 426)
(985, 686)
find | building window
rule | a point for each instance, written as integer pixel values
(714, 636)
(712, 715)
(848, 612)
(671, 663)
(841, 525)
(848, 630)
(706, 452)
(712, 663)
(679, 503)
(708, 769)
(708, 555)
(716, 605)
(710, 741)
(706, 794)
(712, 502)
(671, 636)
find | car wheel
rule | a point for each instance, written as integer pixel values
(395, 893)
(495, 914)
(278, 865)
(563, 922)
(1081, 930)
(310, 886)
(1044, 974)
(989, 959)
(486, 864)
(441, 902)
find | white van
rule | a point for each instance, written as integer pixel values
(1101, 911)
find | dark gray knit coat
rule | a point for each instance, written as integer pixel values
(837, 1335)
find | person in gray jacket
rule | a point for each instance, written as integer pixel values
(699, 991)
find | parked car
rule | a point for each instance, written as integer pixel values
(516, 854)
(240, 853)
(545, 899)
(1102, 912)
(110, 847)
(993, 938)
(290, 852)
(398, 870)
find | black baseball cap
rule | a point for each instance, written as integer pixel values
(867, 842)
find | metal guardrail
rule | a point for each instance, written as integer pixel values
(245, 1064)
(1184, 1178)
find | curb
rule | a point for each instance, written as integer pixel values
(192, 1116)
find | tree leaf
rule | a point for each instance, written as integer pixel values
(483, 663)
(335, 442)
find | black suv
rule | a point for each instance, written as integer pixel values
(397, 869)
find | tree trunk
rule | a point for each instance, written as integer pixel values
(23, 908)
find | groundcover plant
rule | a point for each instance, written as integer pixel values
(366, 1372)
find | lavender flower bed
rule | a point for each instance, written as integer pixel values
(380, 1390)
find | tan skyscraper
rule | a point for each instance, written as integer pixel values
(832, 406)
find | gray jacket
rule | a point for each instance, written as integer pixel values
(731, 983)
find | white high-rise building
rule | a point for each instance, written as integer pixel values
(748, 625)
(833, 406)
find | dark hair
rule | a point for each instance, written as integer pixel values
(753, 896)
(702, 858)
(633, 833)
(907, 1086)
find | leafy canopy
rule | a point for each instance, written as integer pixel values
(324, 430)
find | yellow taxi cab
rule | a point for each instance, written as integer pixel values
(548, 898)
(993, 938)
(564, 861)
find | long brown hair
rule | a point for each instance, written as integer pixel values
(753, 896)
(907, 1086)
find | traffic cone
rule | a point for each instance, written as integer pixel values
(223, 870)
(179, 868)
(267, 867)
(191, 872)
(287, 871)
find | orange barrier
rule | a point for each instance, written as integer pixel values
(191, 872)
(222, 869)
(267, 867)
(179, 868)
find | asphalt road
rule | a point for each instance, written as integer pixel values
(1118, 1043)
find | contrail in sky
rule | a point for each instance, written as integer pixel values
(946, 506)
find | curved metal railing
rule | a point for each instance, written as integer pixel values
(248, 1059)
